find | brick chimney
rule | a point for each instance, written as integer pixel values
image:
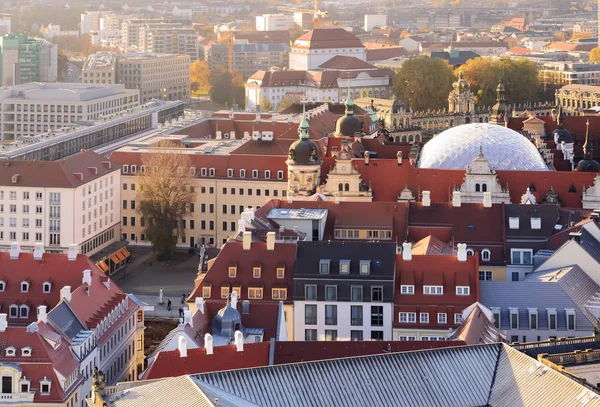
(270, 240)
(456, 199)
(461, 252)
(426, 201)
(407, 251)
(42, 316)
(246, 240)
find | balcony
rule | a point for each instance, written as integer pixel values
(17, 397)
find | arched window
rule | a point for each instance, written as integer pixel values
(24, 311)
(486, 255)
(24, 286)
(484, 187)
(477, 188)
(46, 287)
(470, 252)
(340, 187)
(14, 311)
(347, 187)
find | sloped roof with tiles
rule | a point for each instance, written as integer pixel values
(328, 38)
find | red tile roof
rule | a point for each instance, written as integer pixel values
(343, 62)
(381, 54)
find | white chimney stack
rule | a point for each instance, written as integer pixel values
(15, 249)
(87, 277)
(208, 344)
(234, 300)
(182, 345)
(456, 199)
(367, 157)
(487, 199)
(407, 251)
(42, 316)
(72, 253)
(200, 304)
(187, 318)
(246, 240)
(270, 240)
(426, 201)
(239, 341)
(462, 251)
(65, 293)
(241, 225)
(38, 251)
(3, 323)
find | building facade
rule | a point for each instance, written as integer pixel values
(318, 46)
(24, 59)
(274, 22)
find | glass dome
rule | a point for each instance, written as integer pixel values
(505, 149)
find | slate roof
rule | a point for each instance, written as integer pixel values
(549, 215)
(64, 319)
(344, 62)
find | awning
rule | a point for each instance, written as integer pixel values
(120, 256)
(115, 259)
(102, 265)
(125, 253)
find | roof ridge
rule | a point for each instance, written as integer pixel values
(500, 349)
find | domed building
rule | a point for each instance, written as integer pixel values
(304, 164)
(349, 125)
(505, 149)
(500, 111)
(588, 164)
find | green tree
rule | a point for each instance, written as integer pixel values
(595, 55)
(265, 105)
(62, 64)
(520, 78)
(164, 198)
(424, 83)
(226, 87)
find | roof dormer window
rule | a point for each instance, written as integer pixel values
(125, 169)
(26, 351)
(46, 287)
(2, 286)
(513, 223)
(344, 267)
(11, 351)
(45, 386)
(486, 255)
(24, 311)
(536, 223)
(24, 286)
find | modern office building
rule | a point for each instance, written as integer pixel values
(274, 22)
(5, 23)
(32, 108)
(170, 40)
(249, 58)
(24, 59)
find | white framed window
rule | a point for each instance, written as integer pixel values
(442, 318)
(26, 351)
(13, 311)
(365, 267)
(462, 290)
(23, 311)
(513, 222)
(536, 223)
(407, 338)
(2, 286)
(46, 287)
(407, 289)
(514, 318)
(424, 317)
(242, 173)
(470, 252)
(267, 174)
(192, 171)
(229, 172)
(458, 318)
(211, 172)
(407, 317)
(143, 169)
(486, 255)
(279, 174)
(521, 256)
(45, 386)
(254, 173)
(570, 313)
(344, 266)
(133, 169)
(203, 172)
(433, 290)
(11, 351)
(125, 169)
(533, 318)
(324, 266)
(552, 320)
(24, 286)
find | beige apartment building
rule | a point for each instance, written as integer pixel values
(58, 203)
(225, 183)
(180, 41)
(100, 68)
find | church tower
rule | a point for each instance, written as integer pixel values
(461, 100)
(499, 111)
(304, 164)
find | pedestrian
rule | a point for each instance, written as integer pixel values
(183, 298)
(180, 312)
(169, 305)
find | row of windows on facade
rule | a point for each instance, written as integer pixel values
(6, 384)
(331, 293)
(97, 241)
(204, 172)
(254, 293)
(331, 315)
(533, 319)
(97, 185)
(332, 335)
(26, 286)
(53, 238)
(517, 256)
(442, 318)
(344, 267)
(256, 272)
(192, 226)
(97, 199)
(434, 290)
(54, 197)
(355, 234)
(211, 190)
(99, 224)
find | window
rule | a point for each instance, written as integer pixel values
(279, 174)
(552, 318)
(279, 293)
(536, 223)
(441, 318)
(486, 255)
(424, 317)
(514, 318)
(377, 335)
(533, 318)
(229, 172)
(356, 293)
(356, 315)
(407, 317)
(46, 287)
(330, 293)
(45, 387)
(2, 286)
(521, 256)
(407, 289)
(24, 311)
(344, 266)
(255, 293)
(513, 223)
(356, 335)
(324, 266)
(485, 275)
(206, 292)
(330, 314)
(256, 272)
(570, 319)
(267, 174)
(515, 276)
(310, 335)
(496, 312)
(470, 252)
(24, 286)
(433, 289)
(224, 291)
(458, 318)
(242, 173)
(365, 267)
(330, 335)
(232, 271)
(377, 294)
(310, 314)
(14, 311)
(310, 292)
(280, 272)
(462, 290)
(254, 173)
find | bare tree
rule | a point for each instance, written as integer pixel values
(165, 196)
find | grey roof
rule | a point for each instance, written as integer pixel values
(589, 242)
(548, 215)
(291, 213)
(565, 288)
(65, 320)
(481, 375)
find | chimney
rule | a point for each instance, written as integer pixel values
(407, 251)
(72, 253)
(41, 314)
(239, 341)
(65, 293)
(270, 240)
(15, 249)
(200, 304)
(426, 201)
(3, 323)
(38, 251)
(241, 225)
(87, 277)
(487, 199)
(246, 240)
(456, 199)
(182, 346)
(399, 157)
(462, 251)
(234, 300)
(367, 157)
(187, 318)
(208, 344)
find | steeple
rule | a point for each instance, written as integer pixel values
(588, 164)
(303, 128)
(349, 103)
(500, 110)
(587, 148)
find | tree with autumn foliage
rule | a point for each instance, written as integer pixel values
(226, 87)
(199, 77)
(595, 55)
(165, 197)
